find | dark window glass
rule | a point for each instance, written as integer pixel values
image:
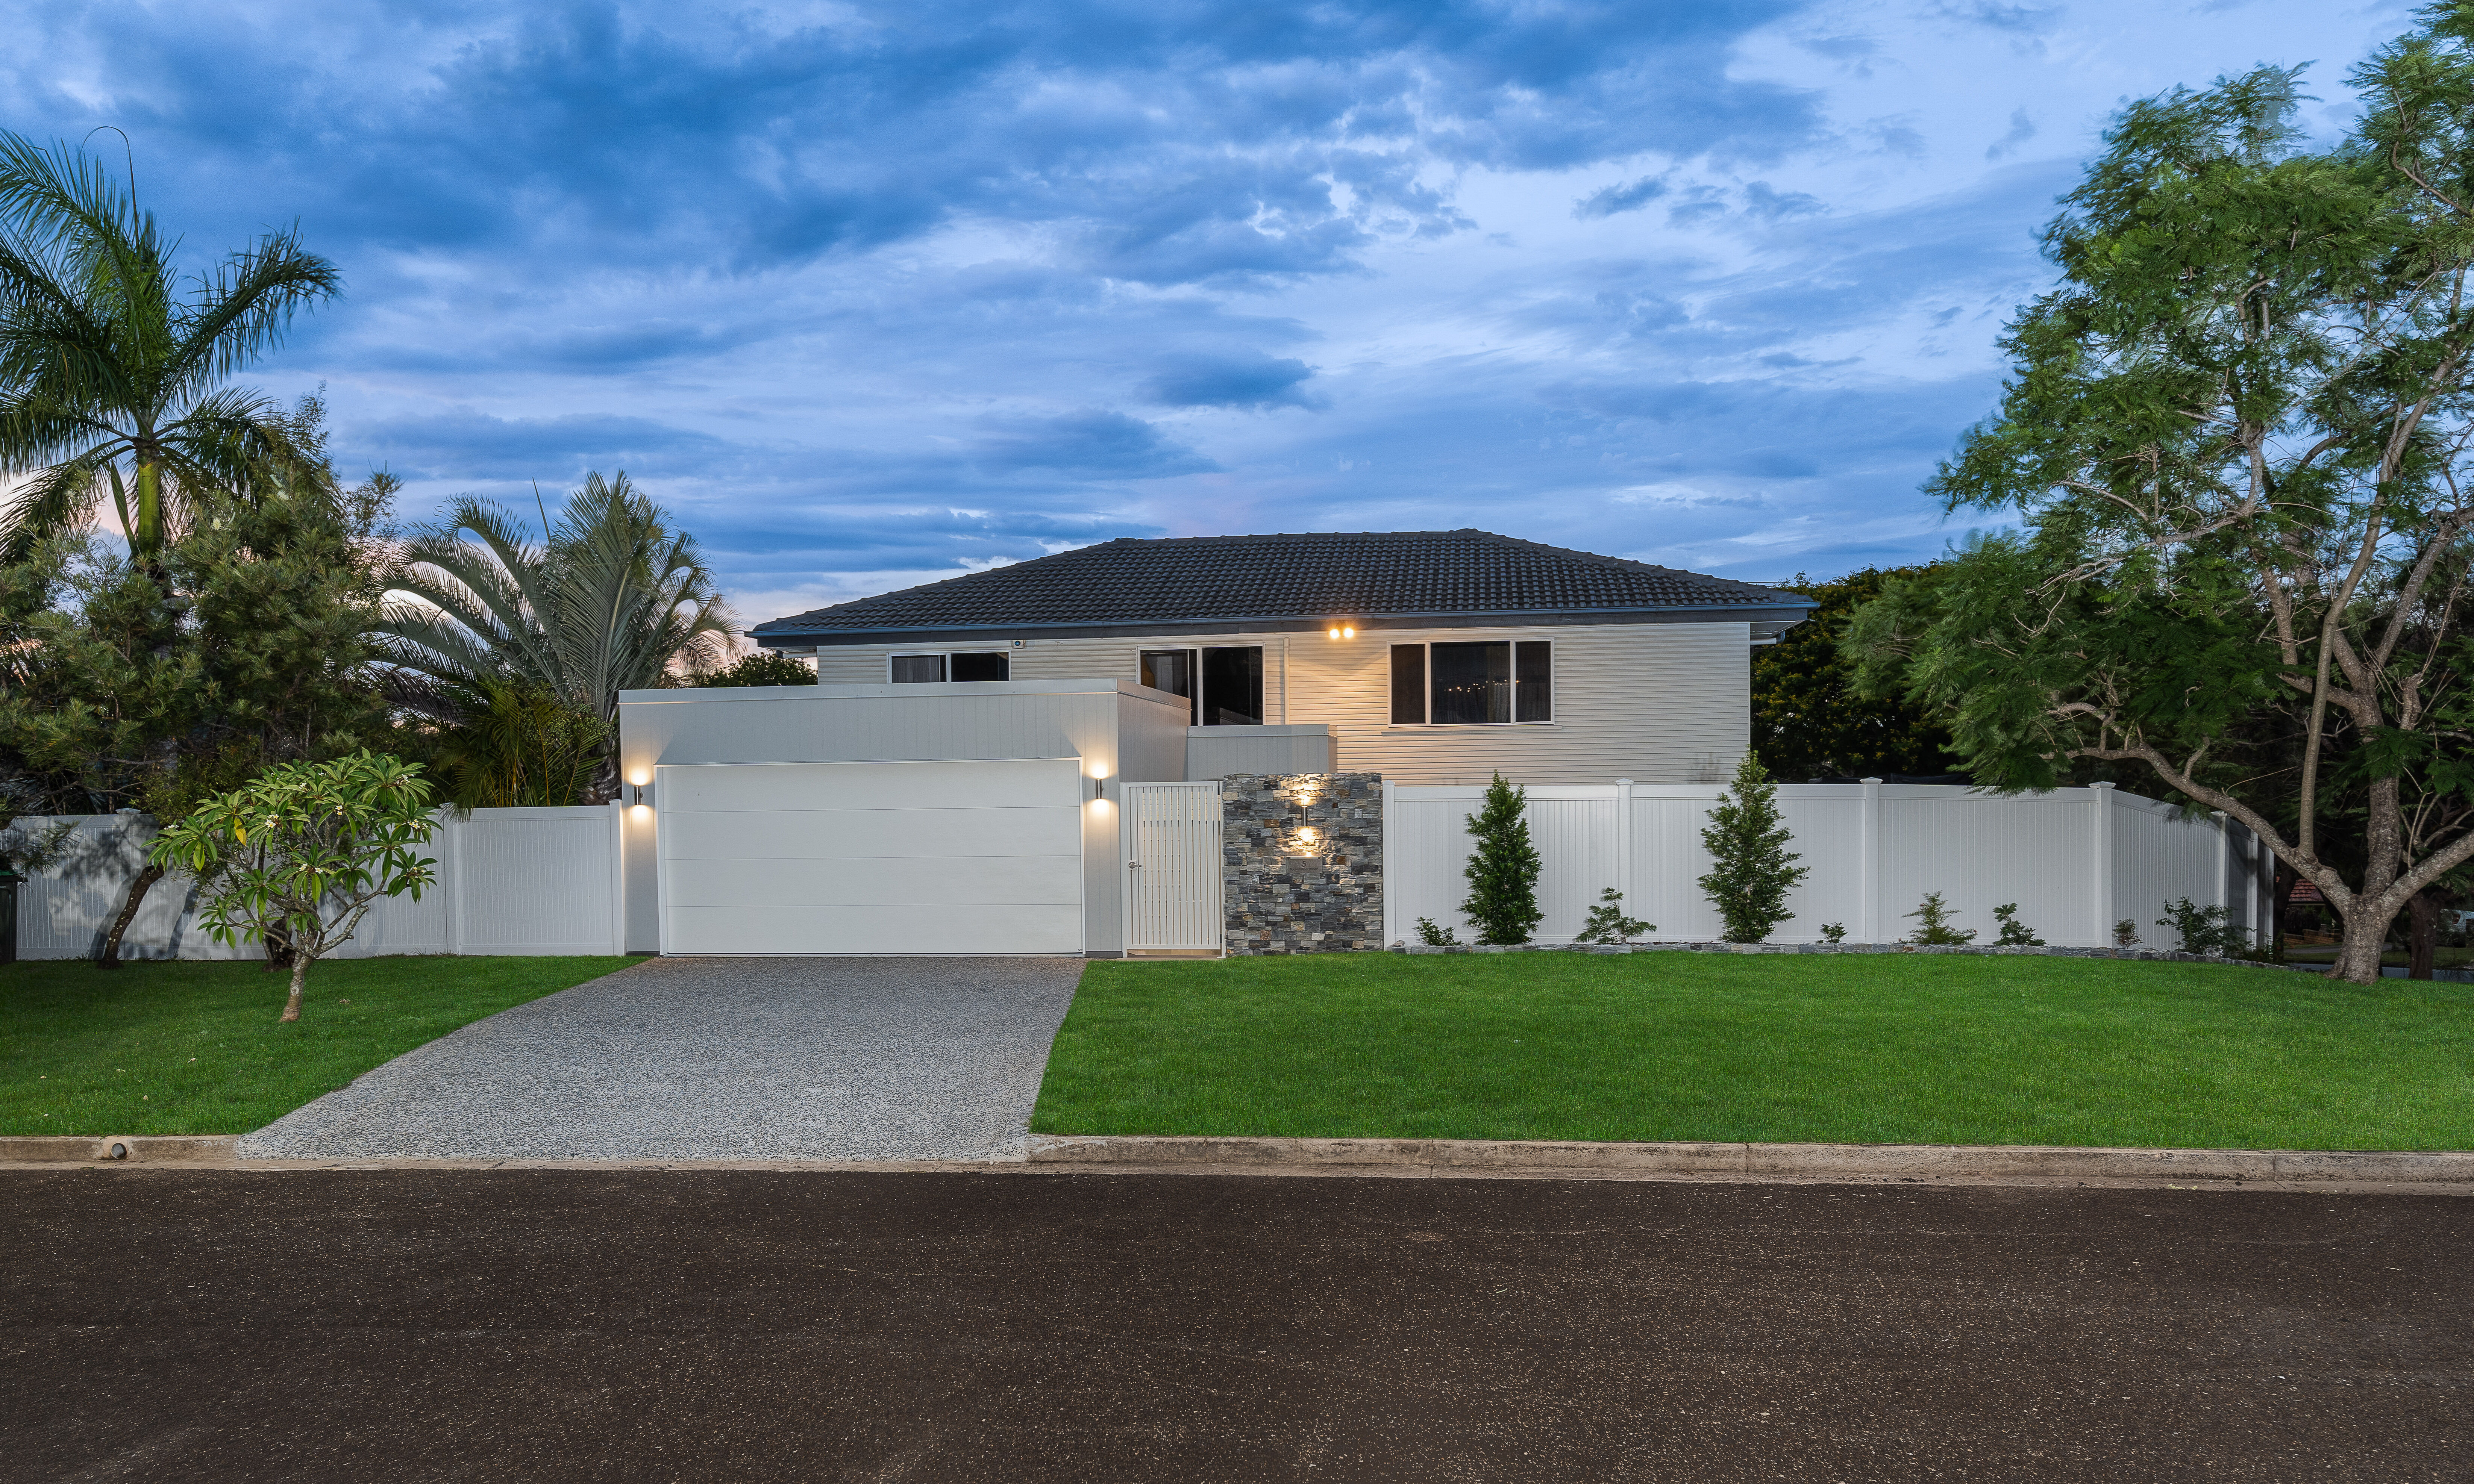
(1472, 682)
(918, 669)
(982, 667)
(1408, 684)
(1232, 688)
(1173, 670)
(1534, 665)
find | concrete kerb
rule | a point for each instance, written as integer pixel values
(1795, 1161)
(2428, 1172)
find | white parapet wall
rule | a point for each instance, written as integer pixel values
(2076, 860)
(512, 881)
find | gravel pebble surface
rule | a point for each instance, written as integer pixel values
(718, 1059)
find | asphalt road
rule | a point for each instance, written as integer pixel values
(712, 1326)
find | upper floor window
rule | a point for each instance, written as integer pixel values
(1222, 687)
(929, 669)
(1474, 683)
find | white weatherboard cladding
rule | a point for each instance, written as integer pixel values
(1659, 703)
(872, 857)
(1979, 851)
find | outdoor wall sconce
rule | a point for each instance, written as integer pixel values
(1344, 632)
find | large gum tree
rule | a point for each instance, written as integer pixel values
(2236, 439)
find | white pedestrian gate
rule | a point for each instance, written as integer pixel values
(1173, 867)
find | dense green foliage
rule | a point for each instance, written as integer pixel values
(1502, 871)
(764, 667)
(243, 643)
(1751, 869)
(2235, 439)
(189, 1048)
(112, 371)
(1810, 720)
(514, 745)
(1945, 1049)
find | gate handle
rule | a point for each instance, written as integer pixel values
(1133, 865)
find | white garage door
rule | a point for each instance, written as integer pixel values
(871, 858)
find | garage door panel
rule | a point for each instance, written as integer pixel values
(952, 883)
(923, 857)
(873, 929)
(863, 834)
(761, 787)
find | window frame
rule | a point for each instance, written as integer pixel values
(944, 658)
(1195, 715)
(1426, 649)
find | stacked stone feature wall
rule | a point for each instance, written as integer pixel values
(1301, 861)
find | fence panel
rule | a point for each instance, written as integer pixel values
(1577, 834)
(536, 881)
(514, 881)
(1871, 853)
(1980, 850)
(2157, 858)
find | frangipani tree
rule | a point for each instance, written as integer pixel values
(113, 371)
(303, 851)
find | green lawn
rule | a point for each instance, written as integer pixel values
(194, 1048)
(1838, 1048)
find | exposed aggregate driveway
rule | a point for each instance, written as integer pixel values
(718, 1059)
(743, 1325)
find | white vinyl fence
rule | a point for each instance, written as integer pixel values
(2076, 860)
(518, 881)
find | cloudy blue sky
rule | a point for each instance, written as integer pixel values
(871, 294)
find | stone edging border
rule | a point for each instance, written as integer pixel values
(1720, 1160)
(2144, 955)
(2437, 1172)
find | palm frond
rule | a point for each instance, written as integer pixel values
(242, 312)
(54, 500)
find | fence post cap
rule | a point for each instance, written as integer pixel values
(2100, 785)
(1868, 780)
(1626, 782)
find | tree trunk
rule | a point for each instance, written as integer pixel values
(299, 971)
(2422, 935)
(2358, 954)
(109, 956)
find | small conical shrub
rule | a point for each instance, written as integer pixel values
(1503, 870)
(1752, 868)
(1933, 927)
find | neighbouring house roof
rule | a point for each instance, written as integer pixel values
(1254, 584)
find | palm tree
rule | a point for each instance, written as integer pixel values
(112, 372)
(612, 600)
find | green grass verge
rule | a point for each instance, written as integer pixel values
(1836, 1049)
(195, 1048)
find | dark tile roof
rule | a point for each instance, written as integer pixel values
(1376, 578)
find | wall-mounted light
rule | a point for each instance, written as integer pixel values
(1343, 631)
